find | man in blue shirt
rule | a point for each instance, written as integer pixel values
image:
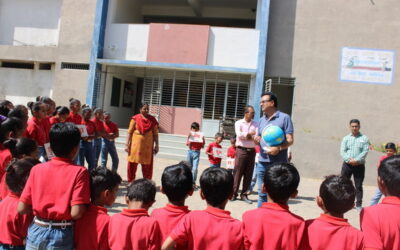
(271, 155)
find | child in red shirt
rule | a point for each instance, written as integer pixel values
(133, 228)
(195, 141)
(331, 230)
(177, 185)
(214, 151)
(108, 144)
(57, 192)
(36, 129)
(10, 129)
(390, 149)
(380, 223)
(100, 133)
(21, 148)
(86, 150)
(14, 226)
(91, 231)
(231, 154)
(75, 107)
(212, 228)
(60, 115)
(273, 226)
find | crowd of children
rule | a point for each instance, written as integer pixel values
(57, 204)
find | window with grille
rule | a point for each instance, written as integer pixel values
(218, 95)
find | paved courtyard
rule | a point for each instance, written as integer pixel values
(304, 205)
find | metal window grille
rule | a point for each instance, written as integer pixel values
(77, 66)
(218, 95)
(18, 65)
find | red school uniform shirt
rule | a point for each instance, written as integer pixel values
(231, 152)
(168, 217)
(36, 131)
(54, 186)
(53, 120)
(5, 158)
(272, 226)
(74, 118)
(196, 146)
(90, 127)
(331, 233)
(47, 127)
(212, 228)
(211, 158)
(110, 128)
(134, 229)
(91, 231)
(13, 226)
(98, 124)
(380, 224)
(3, 188)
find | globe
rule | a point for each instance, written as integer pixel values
(273, 135)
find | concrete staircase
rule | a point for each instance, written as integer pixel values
(173, 146)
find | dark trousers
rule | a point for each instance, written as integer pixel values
(244, 166)
(358, 172)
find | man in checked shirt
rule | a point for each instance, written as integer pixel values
(354, 150)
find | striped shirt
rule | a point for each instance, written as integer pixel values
(354, 147)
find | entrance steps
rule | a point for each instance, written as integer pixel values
(173, 146)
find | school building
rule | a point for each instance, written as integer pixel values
(203, 60)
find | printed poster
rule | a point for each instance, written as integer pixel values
(217, 152)
(373, 66)
(196, 137)
(83, 130)
(230, 163)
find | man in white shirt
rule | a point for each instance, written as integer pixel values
(245, 130)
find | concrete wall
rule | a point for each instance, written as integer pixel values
(227, 47)
(23, 85)
(324, 105)
(26, 22)
(126, 42)
(233, 47)
(120, 115)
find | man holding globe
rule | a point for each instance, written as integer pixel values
(275, 135)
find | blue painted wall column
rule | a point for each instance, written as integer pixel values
(96, 51)
(262, 20)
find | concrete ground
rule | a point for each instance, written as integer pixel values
(304, 205)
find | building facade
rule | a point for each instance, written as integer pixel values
(203, 60)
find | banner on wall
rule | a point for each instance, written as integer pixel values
(367, 65)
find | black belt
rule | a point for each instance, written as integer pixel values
(246, 149)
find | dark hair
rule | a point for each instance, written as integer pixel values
(102, 179)
(61, 110)
(272, 97)
(85, 110)
(34, 106)
(177, 181)
(219, 135)
(216, 185)
(389, 172)
(64, 137)
(10, 125)
(246, 108)
(141, 105)
(354, 121)
(4, 107)
(142, 190)
(44, 99)
(18, 112)
(17, 174)
(195, 125)
(281, 181)
(391, 145)
(73, 101)
(338, 194)
(106, 113)
(98, 110)
(21, 147)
